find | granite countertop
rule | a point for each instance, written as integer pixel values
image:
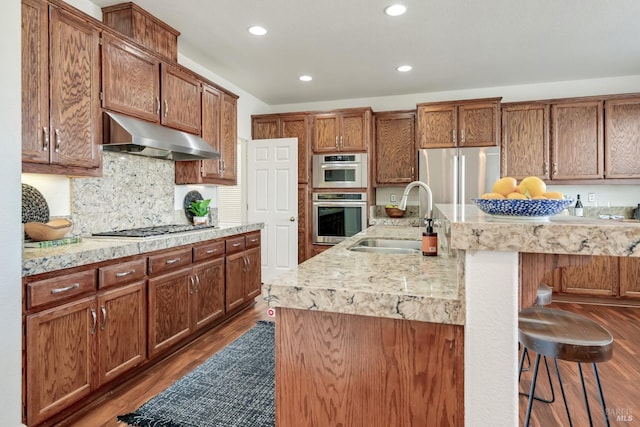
(409, 286)
(92, 249)
(469, 228)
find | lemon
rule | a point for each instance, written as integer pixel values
(516, 195)
(532, 186)
(539, 197)
(492, 196)
(505, 185)
(553, 195)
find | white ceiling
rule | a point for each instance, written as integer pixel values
(351, 48)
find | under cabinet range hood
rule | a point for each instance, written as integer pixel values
(128, 135)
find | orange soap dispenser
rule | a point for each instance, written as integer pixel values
(429, 240)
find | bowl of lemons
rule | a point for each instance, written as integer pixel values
(527, 199)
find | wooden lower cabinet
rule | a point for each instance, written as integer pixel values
(337, 369)
(243, 274)
(73, 349)
(630, 277)
(598, 278)
(207, 299)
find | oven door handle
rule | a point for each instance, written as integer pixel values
(340, 166)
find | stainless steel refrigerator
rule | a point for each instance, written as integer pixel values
(456, 175)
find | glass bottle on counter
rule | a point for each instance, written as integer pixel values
(579, 209)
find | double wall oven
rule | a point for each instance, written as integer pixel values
(339, 213)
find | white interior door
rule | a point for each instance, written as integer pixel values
(272, 190)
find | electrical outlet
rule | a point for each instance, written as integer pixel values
(393, 198)
(592, 197)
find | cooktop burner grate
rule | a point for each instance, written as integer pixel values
(157, 230)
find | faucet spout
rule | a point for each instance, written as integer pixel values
(405, 196)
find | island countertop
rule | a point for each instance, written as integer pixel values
(408, 286)
(91, 250)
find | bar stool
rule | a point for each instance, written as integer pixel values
(544, 296)
(566, 336)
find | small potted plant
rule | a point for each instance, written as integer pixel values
(200, 211)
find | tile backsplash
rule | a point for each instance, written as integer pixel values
(134, 191)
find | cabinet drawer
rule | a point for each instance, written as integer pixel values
(235, 244)
(169, 260)
(208, 250)
(122, 273)
(253, 240)
(41, 292)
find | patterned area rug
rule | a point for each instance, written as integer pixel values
(235, 387)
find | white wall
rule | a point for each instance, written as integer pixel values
(10, 226)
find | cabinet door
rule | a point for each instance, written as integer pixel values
(75, 117)
(325, 133)
(395, 148)
(181, 107)
(437, 126)
(60, 355)
(130, 80)
(622, 138)
(228, 139)
(298, 127)
(303, 221)
(122, 330)
(169, 310)
(235, 276)
(265, 127)
(629, 277)
(211, 103)
(478, 125)
(599, 277)
(208, 295)
(577, 140)
(355, 131)
(525, 141)
(253, 276)
(35, 82)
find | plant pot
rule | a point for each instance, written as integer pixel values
(200, 220)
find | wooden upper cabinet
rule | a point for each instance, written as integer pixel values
(345, 130)
(130, 80)
(228, 139)
(622, 138)
(577, 140)
(180, 95)
(62, 127)
(287, 126)
(395, 157)
(211, 111)
(473, 123)
(525, 141)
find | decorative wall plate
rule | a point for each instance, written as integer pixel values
(191, 196)
(34, 205)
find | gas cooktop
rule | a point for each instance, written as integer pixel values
(157, 230)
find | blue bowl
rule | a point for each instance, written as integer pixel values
(523, 208)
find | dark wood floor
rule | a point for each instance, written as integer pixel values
(620, 376)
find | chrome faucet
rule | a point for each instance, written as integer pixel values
(405, 196)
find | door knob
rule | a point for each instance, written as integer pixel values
(292, 219)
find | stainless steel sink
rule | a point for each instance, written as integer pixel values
(387, 246)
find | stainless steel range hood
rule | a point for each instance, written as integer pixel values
(128, 135)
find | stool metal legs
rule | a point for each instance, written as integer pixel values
(600, 394)
(522, 369)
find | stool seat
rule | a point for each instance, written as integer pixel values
(544, 295)
(564, 335)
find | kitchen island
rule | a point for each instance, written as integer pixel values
(482, 256)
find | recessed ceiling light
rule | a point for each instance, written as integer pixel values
(257, 30)
(404, 68)
(305, 78)
(395, 10)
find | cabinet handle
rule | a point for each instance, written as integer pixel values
(336, 142)
(341, 141)
(462, 136)
(172, 261)
(157, 105)
(57, 132)
(45, 144)
(235, 245)
(255, 239)
(197, 282)
(546, 168)
(453, 135)
(193, 285)
(104, 317)
(413, 171)
(555, 168)
(125, 273)
(65, 289)
(95, 321)
(211, 251)
(166, 108)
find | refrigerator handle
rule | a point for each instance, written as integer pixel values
(462, 179)
(455, 179)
